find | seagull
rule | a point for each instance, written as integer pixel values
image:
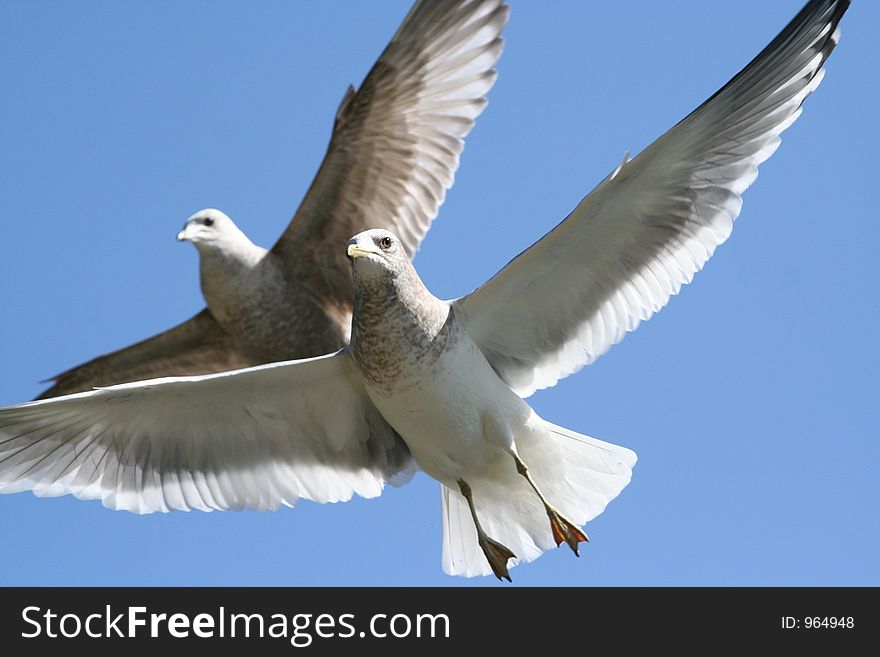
(440, 385)
(393, 154)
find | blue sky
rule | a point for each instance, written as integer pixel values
(751, 399)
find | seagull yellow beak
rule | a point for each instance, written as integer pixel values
(357, 251)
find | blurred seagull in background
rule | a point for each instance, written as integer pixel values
(393, 154)
(440, 385)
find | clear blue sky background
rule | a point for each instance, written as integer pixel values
(751, 399)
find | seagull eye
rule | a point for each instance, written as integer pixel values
(209, 221)
(385, 242)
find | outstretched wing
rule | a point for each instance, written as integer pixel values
(396, 141)
(197, 346)
(254, 438)
(651, 225)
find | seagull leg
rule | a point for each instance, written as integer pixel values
(562, 528)
(495, 552)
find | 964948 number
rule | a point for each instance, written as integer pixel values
(818, 622)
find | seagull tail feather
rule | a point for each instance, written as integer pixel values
(577, 474)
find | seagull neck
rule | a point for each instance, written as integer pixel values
(404, 293)
(383, 305)
(398, 328)
(240, 253)
(230, 278)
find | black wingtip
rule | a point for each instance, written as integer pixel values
(811, 14)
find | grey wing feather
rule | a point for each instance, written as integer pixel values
(396, 141)
(197, 346)
(255, 438)
(651, 225)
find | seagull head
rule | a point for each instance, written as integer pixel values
(207, 228)
(376, 252)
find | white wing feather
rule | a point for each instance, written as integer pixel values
(651, 225)
(255, 438)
